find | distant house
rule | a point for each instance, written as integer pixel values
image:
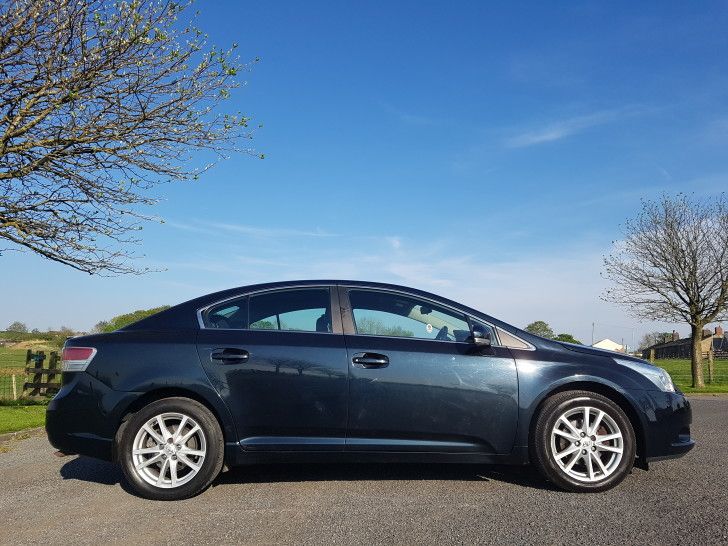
(682, 347)
(609, 345)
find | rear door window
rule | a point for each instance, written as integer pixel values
(293, 310)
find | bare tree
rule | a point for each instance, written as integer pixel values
(672, 265)
(100, 101)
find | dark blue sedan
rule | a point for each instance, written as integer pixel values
(355, 371)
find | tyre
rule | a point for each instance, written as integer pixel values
(171, 449)
(583, 442)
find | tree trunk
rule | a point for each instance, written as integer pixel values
(697, 355)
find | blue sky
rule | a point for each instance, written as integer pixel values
(484, 152)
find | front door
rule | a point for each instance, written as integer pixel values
(279, 361)
(417, 383)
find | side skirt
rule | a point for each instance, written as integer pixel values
(519, 456)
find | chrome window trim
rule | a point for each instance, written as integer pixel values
(329, 287)
(201, 310)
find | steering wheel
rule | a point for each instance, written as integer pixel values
(443, 334)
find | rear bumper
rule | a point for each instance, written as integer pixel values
(667, 430)
(80, 419)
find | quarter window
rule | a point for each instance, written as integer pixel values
(511, 341)
(232, 314)
(387, 314)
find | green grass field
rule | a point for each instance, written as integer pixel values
(12, 362)
(12, 358)
(14, 418)
(680, 371)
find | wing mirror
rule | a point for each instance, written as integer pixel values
(480, 336)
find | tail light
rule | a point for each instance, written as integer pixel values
(77, 359)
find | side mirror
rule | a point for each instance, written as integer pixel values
(480, 337)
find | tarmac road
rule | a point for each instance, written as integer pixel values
(78, 500)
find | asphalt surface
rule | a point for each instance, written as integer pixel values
(44, 498)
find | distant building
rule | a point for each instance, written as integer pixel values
(609, 345)
(682, 347)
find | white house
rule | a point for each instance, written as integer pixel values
(609, 345)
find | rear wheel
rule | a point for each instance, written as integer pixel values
(583, 442)
(171, 449)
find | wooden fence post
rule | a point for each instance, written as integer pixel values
(37, 360)
(52, 367)
(28, 357)
(711, 365)
(652, 356)
(35, 371)
(15, 389)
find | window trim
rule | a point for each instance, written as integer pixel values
(338, 322)
(333, 304)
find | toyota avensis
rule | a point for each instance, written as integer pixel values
(355, 371)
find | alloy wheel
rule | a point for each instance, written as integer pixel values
(587, 444)
(169, 450)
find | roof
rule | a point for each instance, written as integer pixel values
(607, 343)
(719, 343)
(183, 315)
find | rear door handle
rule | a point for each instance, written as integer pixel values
(370, 360)
(230, 356)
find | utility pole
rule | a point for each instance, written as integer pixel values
(592, 333)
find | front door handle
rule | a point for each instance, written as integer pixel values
(370, 360)
(230, 356)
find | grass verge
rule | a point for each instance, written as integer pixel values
(14, 418)
(680, 371)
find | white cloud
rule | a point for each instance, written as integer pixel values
(563, 287)
(560, 129)
(394, 242)
(210, 228)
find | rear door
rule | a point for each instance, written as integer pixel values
(418, 384)
(278, 360)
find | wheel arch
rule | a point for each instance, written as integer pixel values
(608, 391)
(220, 412)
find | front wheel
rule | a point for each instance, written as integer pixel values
(583, 442)
(171, 449)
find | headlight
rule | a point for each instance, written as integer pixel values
(657, 375)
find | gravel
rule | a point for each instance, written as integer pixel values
(44, 498)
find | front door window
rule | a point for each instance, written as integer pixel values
(396, 315)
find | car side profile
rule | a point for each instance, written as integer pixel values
(355, 371)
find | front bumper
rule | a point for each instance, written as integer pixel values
(668, 417)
